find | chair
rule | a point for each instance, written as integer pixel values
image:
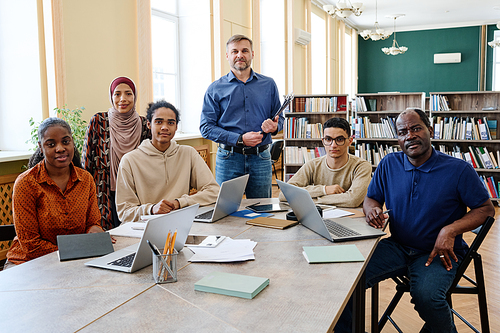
(276, 149)
(477, 288)
(7, 232)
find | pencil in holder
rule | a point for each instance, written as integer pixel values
(165, 267)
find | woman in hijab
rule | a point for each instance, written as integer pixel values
(111, 135)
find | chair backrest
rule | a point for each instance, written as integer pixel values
(276, 149)
(7, 232)
(481, 235)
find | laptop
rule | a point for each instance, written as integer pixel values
(335, 230)
(137, 256)
(228, 201)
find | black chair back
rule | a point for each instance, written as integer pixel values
(7, 232)
(276, 149)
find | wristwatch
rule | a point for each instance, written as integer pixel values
(240, 143)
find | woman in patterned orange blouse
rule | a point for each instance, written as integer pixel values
(111, 135)
(54, 197)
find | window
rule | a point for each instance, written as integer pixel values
(20, 96)
(272, 37)
(318, 54)
(165, 54)
(496, 65)
(348, 64)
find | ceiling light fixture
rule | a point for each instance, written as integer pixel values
(395, 49)
(377, 33)
(344, 9)
(496, 42)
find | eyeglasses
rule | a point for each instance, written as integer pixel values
(340, 140)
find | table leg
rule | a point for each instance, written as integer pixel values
(358, 314)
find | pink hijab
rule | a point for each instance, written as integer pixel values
(124, 129)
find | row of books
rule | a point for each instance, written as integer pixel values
(491, 186)
(320, 104)
(364, 128)
(478, 157)
(464, 128)
(373, 152)
(360, 105)
(300, 128)
(439, 103)
(301, 155)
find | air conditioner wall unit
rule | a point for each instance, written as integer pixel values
(302, 37)
(447, 58)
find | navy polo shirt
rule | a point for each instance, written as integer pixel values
(424, 199)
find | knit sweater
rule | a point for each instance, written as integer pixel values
(147, 175)
(354, 177)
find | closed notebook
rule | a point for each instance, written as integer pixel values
(243, 286)
(272, 223)
(81, 246)
(329, 254)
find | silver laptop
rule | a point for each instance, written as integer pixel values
(137, 256)
(335, 230)
(228, 201)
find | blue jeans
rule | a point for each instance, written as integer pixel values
(428, 285)
(230, 165)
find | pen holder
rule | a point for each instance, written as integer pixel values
(165, 267)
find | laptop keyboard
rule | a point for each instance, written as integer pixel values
(339, 230)
(205, 216)
(123, 261)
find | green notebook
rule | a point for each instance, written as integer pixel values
(232, 284)
(336, 253)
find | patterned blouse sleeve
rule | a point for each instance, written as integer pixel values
(26, 221)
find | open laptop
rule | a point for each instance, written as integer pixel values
(137, 256)
(228, 201)
(335, 230)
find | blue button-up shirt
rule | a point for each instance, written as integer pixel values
(232, 107)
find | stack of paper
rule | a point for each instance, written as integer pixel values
(227, 251)
(336, 253)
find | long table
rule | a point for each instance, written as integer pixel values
(46, 295)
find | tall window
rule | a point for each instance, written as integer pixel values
(272, 38)
(348, 64)
(318, 54)
(496, 65)
(165, 51)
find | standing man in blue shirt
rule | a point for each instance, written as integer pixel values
(237, 111)
(428, 193)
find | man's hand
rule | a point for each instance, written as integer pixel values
(165, 206)
(252, 139)
(444, 249)
(334, 189)
(269, 125)
(375, 218)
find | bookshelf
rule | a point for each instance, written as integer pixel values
(456, 115)
(374, 122)
(304, 127)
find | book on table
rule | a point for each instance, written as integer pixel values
(229, 284)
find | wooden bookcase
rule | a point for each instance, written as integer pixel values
(468, 105)
(313, 109)
(373, 144)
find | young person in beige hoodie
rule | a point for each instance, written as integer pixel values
(156, 177)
